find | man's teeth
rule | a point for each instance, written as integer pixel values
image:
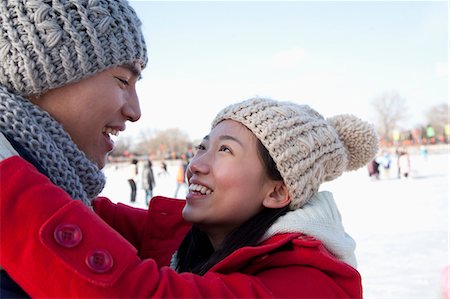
(110, 131)
(200, 188)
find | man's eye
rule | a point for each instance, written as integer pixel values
(123, 81)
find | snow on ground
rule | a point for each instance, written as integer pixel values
(401, 226)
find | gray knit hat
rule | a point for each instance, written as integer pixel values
(46, 44)
(307, 148)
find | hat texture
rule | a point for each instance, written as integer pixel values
(307, 148)
(46, 44)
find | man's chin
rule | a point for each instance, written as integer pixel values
(99, 162)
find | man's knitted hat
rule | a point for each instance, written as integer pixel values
(307, 148)
(46, 44)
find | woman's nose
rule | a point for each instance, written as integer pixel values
(198, 165)
(132, 110)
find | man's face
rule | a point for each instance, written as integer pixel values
(94, 108)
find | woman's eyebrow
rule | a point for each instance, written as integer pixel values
(225, 137)
(229, 137)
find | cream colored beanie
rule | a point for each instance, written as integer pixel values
(307, 148)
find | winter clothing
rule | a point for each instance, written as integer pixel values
(133, 171)
(404, 164)
(181, 177)
(306, 148)
(84, 265)
(42, 138)
(148, 177)
(48, 44)
(148, 180)
(373, 169)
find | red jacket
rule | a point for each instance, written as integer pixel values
(54, 246)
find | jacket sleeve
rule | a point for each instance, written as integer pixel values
(54, 246)
(156, 233)
(126, 220)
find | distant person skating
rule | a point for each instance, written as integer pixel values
(163, 171)
(373, 169)
(385, 162)
(404, 164)
(181, 175)
(132, 177)
(148, 180)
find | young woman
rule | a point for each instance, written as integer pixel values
(68, 71)
(253, 223)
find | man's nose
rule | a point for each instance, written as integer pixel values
(132, 110)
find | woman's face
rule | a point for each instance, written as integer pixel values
(227, 181)
(94, 108)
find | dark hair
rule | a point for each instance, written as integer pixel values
(196, 253)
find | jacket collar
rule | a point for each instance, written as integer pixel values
(319, 218)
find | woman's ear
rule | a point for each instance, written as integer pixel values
(277, 197)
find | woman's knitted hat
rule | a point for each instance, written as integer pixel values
(46, 44)
(307, 148)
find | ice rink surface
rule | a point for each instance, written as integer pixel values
(401, 226)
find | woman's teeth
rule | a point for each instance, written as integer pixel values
(110, 131)
(200, 188)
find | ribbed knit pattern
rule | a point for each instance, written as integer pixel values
(47, 142)
(307, 148)
(47, 44)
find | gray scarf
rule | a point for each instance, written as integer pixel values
(47, 142)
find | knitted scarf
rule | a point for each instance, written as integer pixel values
(51, 146)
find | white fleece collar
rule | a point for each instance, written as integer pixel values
(319, 218)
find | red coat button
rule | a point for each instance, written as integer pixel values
(99, 261)
(68, 235)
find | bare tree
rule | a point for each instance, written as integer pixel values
(122, 144)
(145, 146)
(438, 116)
(166, 142)
(390, 109)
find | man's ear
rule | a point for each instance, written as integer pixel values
(277, 197)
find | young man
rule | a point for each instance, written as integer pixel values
(68, 71)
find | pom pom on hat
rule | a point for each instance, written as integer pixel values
(358, 137)
(307, 148)
(47, 44)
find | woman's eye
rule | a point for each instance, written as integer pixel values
(200, 147)
(225, 148)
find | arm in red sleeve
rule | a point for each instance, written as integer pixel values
(126, 220)
(156, 233)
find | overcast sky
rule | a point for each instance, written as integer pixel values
(334, 56)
